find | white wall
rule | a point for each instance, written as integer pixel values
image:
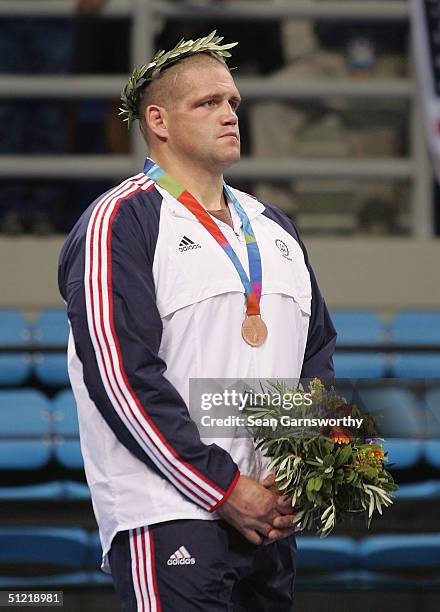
(378, 273)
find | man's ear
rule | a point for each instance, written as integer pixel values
(156, 120)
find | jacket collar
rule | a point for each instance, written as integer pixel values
(251, 205)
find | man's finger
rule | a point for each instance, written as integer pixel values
(252, 536)
(284, 500)
(284, 504)
(277, 534)
(283, 522)
(268, 481)
(261, 527)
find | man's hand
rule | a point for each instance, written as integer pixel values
(90, 6)
(256, 512)
(282, 524)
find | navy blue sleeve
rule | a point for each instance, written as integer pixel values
(105, 276)
(321, 338)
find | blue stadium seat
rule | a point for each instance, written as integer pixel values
(95, 552)
(358, 327)
(75, 490)
(24, 429)
(359, 365)
(51, 327)
(102, 579)
(397, 411)
(432, 453)
(428, 489)
(403, 454)
(64, 553)
(46, 490)
(94, 562)
(55, 490)
(400, 551)
(432, 413)
(15, 368)
(416, 327)
(65, 427)
(333, 552)
(432, 427)
(415, 365)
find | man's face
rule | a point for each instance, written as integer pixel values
(202, 123)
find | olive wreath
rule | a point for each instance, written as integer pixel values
(143, 75)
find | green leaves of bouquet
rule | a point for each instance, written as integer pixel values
(131, 93)
(330, 475)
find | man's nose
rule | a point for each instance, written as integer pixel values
(229, 115)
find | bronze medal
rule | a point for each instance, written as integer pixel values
(254, 330)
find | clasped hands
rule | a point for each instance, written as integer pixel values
(257, 511)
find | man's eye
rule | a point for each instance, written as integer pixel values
(209, 103)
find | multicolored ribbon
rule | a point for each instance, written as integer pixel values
(252, 285)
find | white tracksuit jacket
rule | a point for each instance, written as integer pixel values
(153, 301)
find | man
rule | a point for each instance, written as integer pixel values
(174, 275)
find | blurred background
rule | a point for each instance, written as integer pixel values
(336, 130)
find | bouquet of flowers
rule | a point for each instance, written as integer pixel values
(331, 469)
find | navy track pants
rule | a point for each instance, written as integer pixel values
(200, 566)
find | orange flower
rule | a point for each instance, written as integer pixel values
(339, 435)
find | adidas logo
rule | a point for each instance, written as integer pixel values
(186, 244)
(181, 557)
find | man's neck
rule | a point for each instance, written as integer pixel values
(204, 185)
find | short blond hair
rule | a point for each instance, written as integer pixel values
(167, 86)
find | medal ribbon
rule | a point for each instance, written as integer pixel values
(252, 285)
